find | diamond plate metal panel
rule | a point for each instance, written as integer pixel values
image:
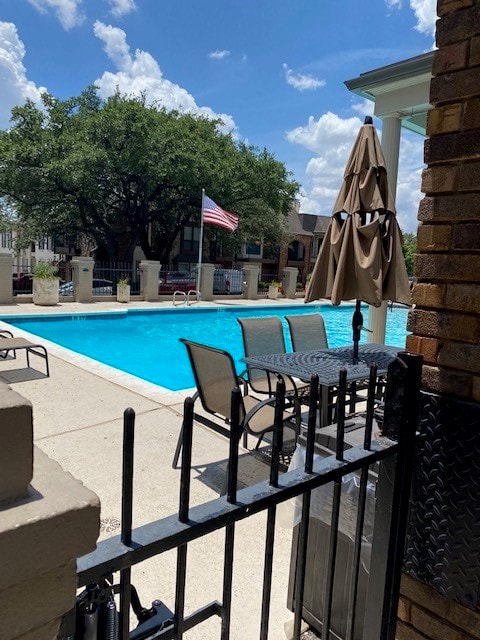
(443, 539)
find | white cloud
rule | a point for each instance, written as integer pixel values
(14, 85)
(300, 81)
(122, 7)
(140, 74)
(365, 107)
(331, 138)
(219, 55)
(394, 4)
(67, 11)
(426, 14)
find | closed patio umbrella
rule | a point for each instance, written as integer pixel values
(361, 255)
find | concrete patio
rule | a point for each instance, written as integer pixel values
(78, 414)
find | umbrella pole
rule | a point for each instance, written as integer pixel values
(357, 323)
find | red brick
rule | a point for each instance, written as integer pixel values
(471, 118)
(439, 179)
(404, 609)
(434, 627)
(429, 295)
(427, 347)
(453, 146)
(462, 297)
(458, 25)
(468, 176)
(444, 7)
(406, 632)
(448, 381)
(452, 86)
(425, 596)
(445, 208)
(444, 119)
(465, 357)
(452, 267)
(443, 324)
(474, 51)
(451, 58)
(433, 237)
(466, 237)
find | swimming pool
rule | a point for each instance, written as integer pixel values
(146, 343)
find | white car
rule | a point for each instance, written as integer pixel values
(99, 288)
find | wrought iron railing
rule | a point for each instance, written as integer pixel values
(392, 452)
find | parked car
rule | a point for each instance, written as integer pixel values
(100, 287)
(171, 281)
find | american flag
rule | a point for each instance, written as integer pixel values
(213, 214)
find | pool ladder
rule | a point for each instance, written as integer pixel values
(186, 299)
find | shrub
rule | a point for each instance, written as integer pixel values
(45, 271)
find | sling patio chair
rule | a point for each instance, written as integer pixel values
(11, 344)
(264, 336)
(307, 331)
(215, 379)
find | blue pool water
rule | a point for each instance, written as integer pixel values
(146, 343)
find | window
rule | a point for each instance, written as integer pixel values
(190, 239)
(253, 249)
(296, 251)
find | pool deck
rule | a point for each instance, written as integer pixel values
(78, 414)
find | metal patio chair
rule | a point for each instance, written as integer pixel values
(215, 378)
(307, 332)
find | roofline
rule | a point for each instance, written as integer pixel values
(392, 72)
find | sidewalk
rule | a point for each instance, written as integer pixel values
(78, 417)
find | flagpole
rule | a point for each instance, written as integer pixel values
(200, 251)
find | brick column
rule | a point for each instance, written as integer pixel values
(442, 547)
(149, 279)
(6, 295)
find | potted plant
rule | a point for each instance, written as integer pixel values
(45, 284)
(273, 289)
(123, 290)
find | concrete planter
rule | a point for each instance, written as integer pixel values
(45, 291)
(272, 292)
(123, 293)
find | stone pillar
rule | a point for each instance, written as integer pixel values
(82, 278)
(149, 279)
(377, 316)
(6, 262)
(289, 282)
(206, 281)
(252, 272)
(48, 519)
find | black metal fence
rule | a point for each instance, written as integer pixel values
(107, 274)
(392, 452)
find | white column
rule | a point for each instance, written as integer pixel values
(377, 316)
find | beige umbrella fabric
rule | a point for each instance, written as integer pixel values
(362, 258)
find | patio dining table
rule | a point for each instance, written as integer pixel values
(327, 363)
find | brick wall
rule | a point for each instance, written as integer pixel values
(446, 319)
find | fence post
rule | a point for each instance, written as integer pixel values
(392, 497)
(149, 279)
(6, 263)
(252, 272)
(206, 284)
(289, 282)
(83, 278)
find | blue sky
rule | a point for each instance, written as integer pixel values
(274, 70)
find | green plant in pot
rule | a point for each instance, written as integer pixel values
(273, 289)
(123, 289)
(45, 283)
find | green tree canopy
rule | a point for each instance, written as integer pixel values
(114, 170)
(409, 249)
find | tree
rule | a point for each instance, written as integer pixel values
(409, 249)
(123, 173)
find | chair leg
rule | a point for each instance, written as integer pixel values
(178, 449)
(259, 441)
(245, 439)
